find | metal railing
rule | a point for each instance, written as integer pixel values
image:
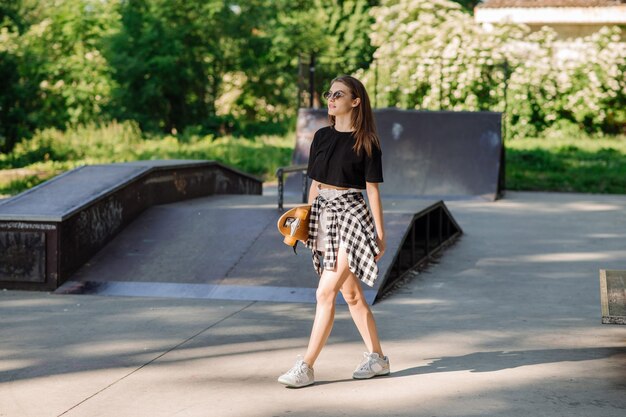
(280, 175)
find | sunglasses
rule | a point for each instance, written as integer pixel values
(329, 95)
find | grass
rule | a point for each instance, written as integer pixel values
(585, 165)
(559, 161)
(15, 186)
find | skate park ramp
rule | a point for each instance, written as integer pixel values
(426, 154)
(49, 231)
(228, 247)
(194, 229)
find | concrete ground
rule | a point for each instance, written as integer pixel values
(506, 324)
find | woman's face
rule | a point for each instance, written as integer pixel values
(340, 102)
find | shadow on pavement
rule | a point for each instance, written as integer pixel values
(500, 360)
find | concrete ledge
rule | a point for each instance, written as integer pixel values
(613, 296)
(49, 231)
(201, 291)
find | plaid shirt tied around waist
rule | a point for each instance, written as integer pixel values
(350, 220)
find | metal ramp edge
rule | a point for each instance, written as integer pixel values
(430, 231)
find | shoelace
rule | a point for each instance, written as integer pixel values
(366, 365)
(299, 370)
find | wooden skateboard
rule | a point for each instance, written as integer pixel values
(294, 225)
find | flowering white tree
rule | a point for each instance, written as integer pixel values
(432, 55)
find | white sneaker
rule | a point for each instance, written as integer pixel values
(300, 375)
(372, 365)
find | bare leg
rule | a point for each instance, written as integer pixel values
(327, 290)
(361, 314)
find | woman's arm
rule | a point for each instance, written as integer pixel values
(313, 192)
(373, 195)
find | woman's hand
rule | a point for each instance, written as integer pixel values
(373, 195)
(382, 245)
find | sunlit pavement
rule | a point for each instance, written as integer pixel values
(507, 323)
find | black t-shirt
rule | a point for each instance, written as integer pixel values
(333, 161)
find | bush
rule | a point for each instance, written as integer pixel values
(432, 55)
(96, 143)
(56, 150)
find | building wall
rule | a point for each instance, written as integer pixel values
(568, 22)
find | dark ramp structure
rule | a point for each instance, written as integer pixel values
(182, 229)
(228, 247)
(426, 154)
(49, 231)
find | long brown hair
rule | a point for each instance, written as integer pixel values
(362, 116)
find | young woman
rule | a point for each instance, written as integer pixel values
(345, 238)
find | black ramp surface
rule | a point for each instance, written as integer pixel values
(451, 154)
(224, 247)
(196, 241)
(58, 197)
(192, 248)
(435, 155)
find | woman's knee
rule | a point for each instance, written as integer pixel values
(353, 297)
(325, 295)
(352, 292)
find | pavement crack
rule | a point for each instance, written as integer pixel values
(244, 253)
(157, 357)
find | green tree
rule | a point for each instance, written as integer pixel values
(273, 34)
(335, 32)
(169, 64)
(52, 69)
(63, 62)
(13, 117)
(347, 47)
(169, 58)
